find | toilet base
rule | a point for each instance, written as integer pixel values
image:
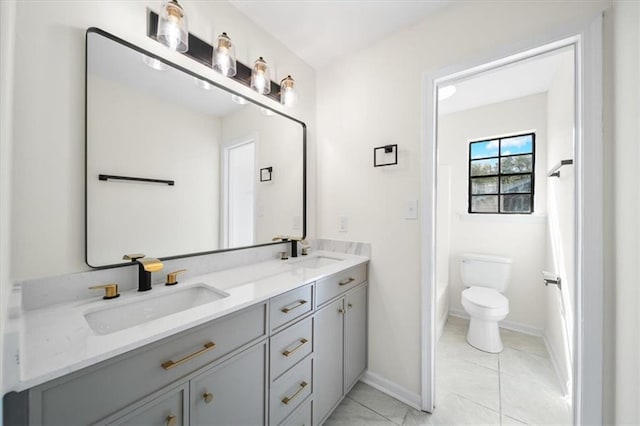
(484, 335)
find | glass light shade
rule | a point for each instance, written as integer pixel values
(267, 112)
(224, 56)
(239, 100)
(205, 85)
(172, 27)
(288, 95)
(260, 78)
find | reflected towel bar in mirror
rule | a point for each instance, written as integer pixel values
(137, 179)
(555, 172)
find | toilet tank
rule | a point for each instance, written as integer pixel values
(481, 270)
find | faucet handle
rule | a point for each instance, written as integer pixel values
(172, 277)
(133, 256)
(110, 290)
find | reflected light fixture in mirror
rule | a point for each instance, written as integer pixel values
(239, 100)
(260, 79)
(154, 63)
(224, 56)
(267, 112)
(172, 27)
(446, 92)
(288, 95)
(205, 85)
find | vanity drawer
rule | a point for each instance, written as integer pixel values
(302, 417)
(289, 306)
(290, 346)
(135, 375)
(330, 287)
(163, 410)
(290, 390)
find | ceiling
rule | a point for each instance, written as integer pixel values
(522, 78)
(321, 31)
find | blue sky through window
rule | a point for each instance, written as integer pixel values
(509, 146)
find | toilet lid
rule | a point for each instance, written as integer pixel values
(485, 297)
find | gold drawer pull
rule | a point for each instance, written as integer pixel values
(288, 309)
(287, 399)
(347, 281)
(171, 364)
(208, 397)
(172, 420)
(289, 352)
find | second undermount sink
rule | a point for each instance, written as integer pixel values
(148, 308)
(316, 261)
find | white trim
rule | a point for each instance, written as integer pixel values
(555, 361)
(507, 325)
(588, 361)
(392, 389)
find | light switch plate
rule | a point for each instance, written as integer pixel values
(411, 210)
(343, 224)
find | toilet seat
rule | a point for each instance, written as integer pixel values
(483, 297)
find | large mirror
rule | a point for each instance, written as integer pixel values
(176, 165)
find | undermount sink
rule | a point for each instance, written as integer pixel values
(148, 308)
(316, 261)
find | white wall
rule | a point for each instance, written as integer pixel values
(502, 235)
(158, 220)
(560, 258)
(626, 223)
(7, 39)
(48, 146)
(374, 97)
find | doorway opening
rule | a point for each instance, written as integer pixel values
(580, 360)
(238, 184)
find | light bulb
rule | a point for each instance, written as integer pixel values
(172, 27)
(224, 56)
(288, 95)
(260, 79)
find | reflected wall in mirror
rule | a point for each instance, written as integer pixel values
(149, 119)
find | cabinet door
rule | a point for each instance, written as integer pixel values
(328, 349)
(233, 393)
(164, 410)
(355, 336)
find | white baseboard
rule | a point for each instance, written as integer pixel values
(564, 384)
(508, 325)
(394, 390)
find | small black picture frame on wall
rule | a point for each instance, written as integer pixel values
(265, 174)
(386, 155)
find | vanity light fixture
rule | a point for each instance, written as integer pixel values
(203, 84)
(288, 95)
(172, 27)
(224, 56)
(260, 79)
(239, 100)
(446, 92)
(154, 63)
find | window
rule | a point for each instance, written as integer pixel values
(501, 175)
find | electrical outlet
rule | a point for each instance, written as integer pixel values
(343, 224)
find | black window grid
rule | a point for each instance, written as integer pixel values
(500, 174)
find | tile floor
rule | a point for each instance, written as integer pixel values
(515, 387)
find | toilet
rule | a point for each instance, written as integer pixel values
(486, 277)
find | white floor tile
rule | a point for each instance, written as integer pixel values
(454, 410)
(352, 413)
(379, 402)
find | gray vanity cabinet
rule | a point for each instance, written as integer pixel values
(340, 349)
(232, 393)
(167, 409)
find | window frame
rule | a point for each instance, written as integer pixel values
(499, 175)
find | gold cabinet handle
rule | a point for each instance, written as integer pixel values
(287, 399)
(168, 365)
(349, 305)
(172, 277)
(340, 311)
(208, 397)
(172, 420)
(290, 352)
(110, 290)
(347, 281)
(290, 308)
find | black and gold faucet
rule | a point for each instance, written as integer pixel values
(146, 265)
(294, 243)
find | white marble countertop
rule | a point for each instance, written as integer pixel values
(57, 340)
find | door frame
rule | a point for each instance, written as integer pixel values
(587, 38)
